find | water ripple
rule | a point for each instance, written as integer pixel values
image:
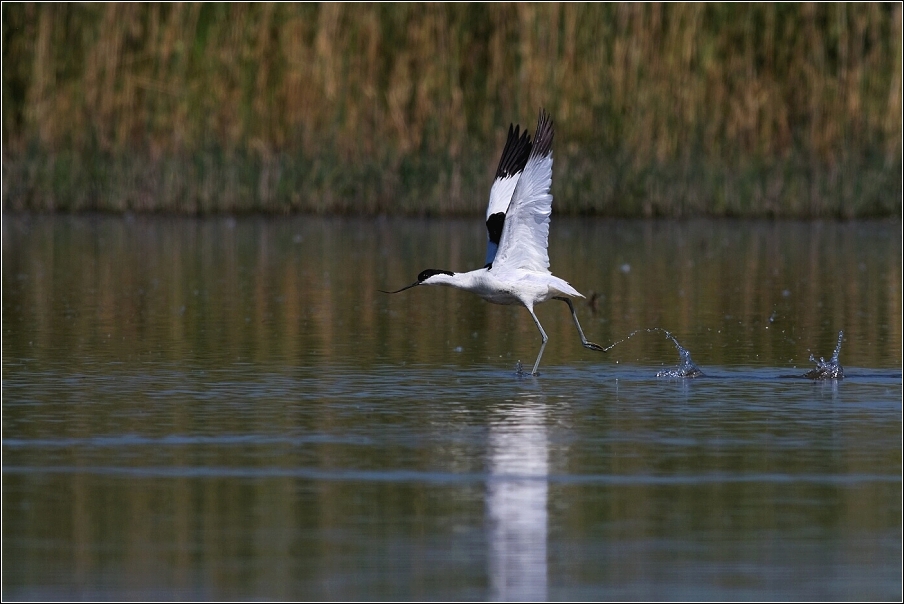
(428, 477)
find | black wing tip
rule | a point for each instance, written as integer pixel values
(515, 153)
(545, 132)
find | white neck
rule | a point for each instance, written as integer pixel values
(467, 281)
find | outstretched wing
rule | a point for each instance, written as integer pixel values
(525, 235)
(514, 157)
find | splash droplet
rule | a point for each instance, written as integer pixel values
(827, 370)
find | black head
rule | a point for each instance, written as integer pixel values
(423, 276)
(426, 274)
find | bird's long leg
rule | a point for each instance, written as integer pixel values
(543, 335)
(587, 343)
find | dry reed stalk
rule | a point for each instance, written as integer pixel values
(388, 86)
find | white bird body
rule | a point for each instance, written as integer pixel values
(517, 261)
(508, 287)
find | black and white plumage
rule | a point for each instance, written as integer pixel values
(517, 262)
(511, 165)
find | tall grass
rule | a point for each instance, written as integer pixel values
(786, 110)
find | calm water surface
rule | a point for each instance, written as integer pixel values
(228, 409)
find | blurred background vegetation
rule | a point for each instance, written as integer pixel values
(788, 110)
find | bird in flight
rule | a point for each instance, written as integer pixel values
(517, 262)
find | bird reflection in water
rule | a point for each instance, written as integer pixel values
(516, 502)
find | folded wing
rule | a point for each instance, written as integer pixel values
(511, 165)
(525, 233)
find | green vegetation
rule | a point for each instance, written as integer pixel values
(679, 109)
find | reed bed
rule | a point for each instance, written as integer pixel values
(678, 109)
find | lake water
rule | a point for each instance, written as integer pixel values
(229, 409)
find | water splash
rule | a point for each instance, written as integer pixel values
(628, 337)
(686, 367)
(830, 370)
(519, 369)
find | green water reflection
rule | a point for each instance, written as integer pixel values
(304, 290)
(228, 409)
